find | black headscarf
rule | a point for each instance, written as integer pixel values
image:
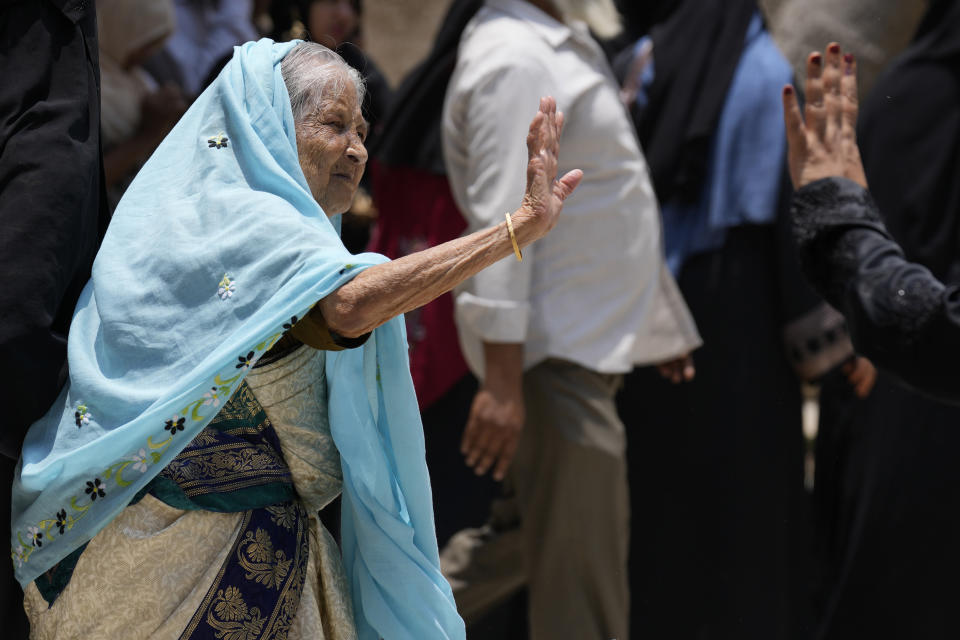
(696, 52)
(639, 17)
(411, 134)
(938, 37)
(909, 136)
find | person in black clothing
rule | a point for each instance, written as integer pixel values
(52, 216)
(894, 483)
(716, 464)
(901, 316)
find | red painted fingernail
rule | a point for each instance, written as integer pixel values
(848, 58)
(815, 59)
(834, 48)
(788, 91)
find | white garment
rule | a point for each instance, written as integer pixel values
(595, 290)
(126, 28)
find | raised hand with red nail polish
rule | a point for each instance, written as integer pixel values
(822, 139)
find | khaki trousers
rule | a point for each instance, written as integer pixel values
(570, 483)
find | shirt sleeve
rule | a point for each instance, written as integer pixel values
(900, 316)
(485, 131)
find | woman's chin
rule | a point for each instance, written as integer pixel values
(332, 208)
(338, 196)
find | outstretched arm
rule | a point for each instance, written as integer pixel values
(387, 290)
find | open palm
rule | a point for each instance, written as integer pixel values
(545, 194)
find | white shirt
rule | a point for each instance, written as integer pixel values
(595, 290)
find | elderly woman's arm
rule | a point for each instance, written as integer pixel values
(899, 314)
(387, 290)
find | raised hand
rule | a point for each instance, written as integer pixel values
(545, 194)
(823, 140)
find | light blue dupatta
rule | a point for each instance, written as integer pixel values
(216, 248)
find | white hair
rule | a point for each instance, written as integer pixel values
(600, 15)
(314, 73)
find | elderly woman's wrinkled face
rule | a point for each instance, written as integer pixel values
(331, 150)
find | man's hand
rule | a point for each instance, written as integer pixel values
(678, 370)
(497, 414)
(861, 374)
(823, 140)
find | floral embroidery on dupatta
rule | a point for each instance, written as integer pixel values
(82, 415)
(45, 532)
(218, 141)
(227, 287)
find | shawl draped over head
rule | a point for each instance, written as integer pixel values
(216, 248)
(125, 28)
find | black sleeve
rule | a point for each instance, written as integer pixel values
(900, 316)
(313, 330)
(349, 343)
(814, 333)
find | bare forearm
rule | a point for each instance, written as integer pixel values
(497, 414)
(503, 368)
(389, 289)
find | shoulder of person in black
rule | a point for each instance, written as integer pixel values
(52, 204)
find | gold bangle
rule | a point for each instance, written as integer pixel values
(513, 238)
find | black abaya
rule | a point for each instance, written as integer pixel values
(51, 210)
(716, 465)
(896, 485)
(52, 215)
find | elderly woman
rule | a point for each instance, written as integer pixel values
(215, 402)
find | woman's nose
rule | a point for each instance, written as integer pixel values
(357, 151)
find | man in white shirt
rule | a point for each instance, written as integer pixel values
(550, 336)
